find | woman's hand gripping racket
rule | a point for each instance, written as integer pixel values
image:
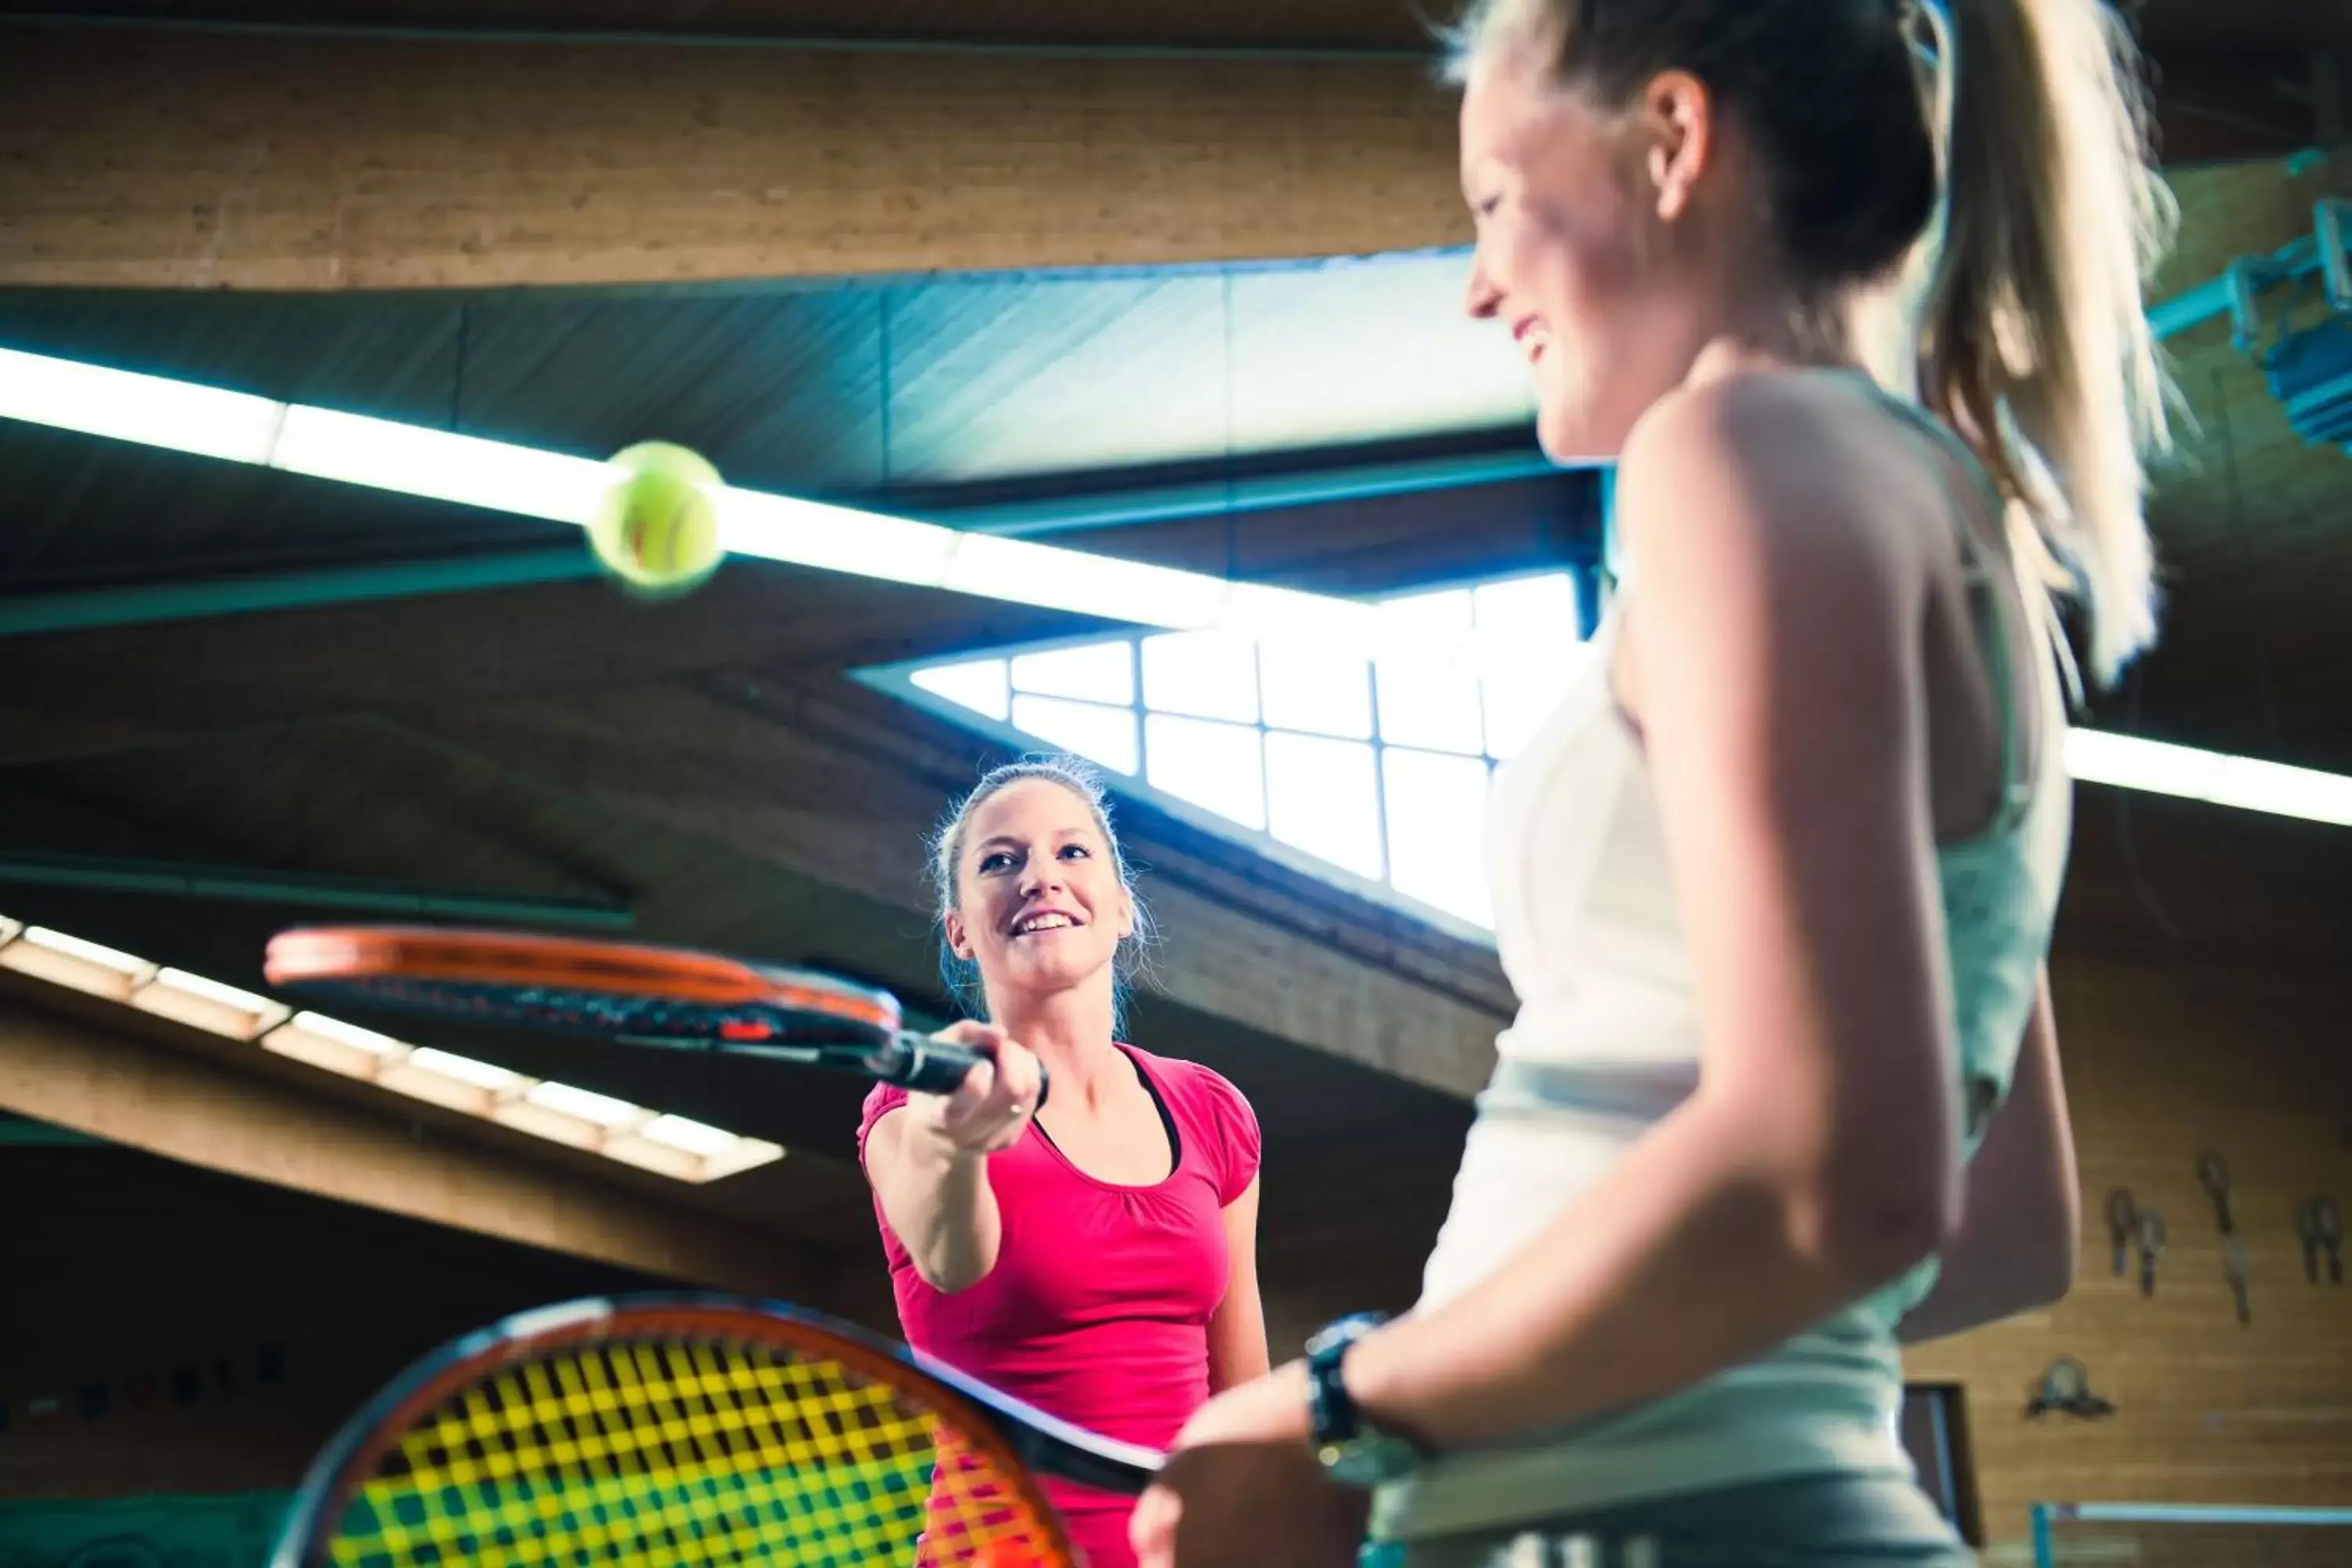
(692, 1430)
(623, 991)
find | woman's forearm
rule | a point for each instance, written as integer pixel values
(1979, 1285)
(2015, 1248)
(1694, 1254)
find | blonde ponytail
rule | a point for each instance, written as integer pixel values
(2032, 332)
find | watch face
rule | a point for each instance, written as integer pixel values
(1339, 1331)
(1352, 1453)
(1369, 1460)
(1333, 1337)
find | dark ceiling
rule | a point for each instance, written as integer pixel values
(1354, 25)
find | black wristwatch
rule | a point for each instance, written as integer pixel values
(1353, 1451)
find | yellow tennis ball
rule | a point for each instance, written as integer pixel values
(655, 529)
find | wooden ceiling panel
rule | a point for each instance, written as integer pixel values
(1352, 351)
(779, 388)
(990, 377)
(358, 797)
(151, 685)
(80, 512)
(397, 360)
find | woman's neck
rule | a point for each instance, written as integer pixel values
(1758, 320)
(1070, 1031)
(1787, 344)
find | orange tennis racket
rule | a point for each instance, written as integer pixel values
(636, 1431)
(626, 993)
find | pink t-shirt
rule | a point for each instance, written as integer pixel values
(1097, 1310)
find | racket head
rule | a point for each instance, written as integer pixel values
(683, 1429)
(608, 989)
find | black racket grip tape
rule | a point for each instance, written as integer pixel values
(938, 1066)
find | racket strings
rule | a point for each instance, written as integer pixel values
(656, 1453)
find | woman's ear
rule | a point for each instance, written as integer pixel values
(959, 938)
(1676, 121)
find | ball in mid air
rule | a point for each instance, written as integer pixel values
(655, 529)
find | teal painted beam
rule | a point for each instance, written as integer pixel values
(144, 603)
(24, 1132)
(1248, 493)
(242, 885)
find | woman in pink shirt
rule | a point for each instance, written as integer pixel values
(1097, 1257)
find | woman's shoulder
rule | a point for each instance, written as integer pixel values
(1208, 1106)
(1771, 477)
(880, 1100)
(1770, 447)
(1200, 1082)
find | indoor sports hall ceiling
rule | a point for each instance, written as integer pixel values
(1104, 410)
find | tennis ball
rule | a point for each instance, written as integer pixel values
(656, 530)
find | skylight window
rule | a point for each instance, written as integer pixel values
(1372, 770)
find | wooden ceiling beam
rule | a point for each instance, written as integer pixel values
(311, 160)
(122, 1082)
(191, 161)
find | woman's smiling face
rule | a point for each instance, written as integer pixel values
(1040, 906)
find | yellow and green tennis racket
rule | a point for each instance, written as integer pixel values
(692, 1430)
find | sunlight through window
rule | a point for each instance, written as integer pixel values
(1379, 769)
(1208, 675)
(1526, 650)
(1323, 796)
(979, 685)
(1101, 734)
(1216, 766)
(1429, 684)
(1092, 673)
(1319, 693)
(1437, 830)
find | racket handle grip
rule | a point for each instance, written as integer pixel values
(937, 1066)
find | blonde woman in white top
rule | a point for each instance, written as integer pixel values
(1776, 883)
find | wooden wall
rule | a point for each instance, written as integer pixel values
(2165, 1059)
(228, 1326)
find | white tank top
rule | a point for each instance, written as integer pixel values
(1606, 1042)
